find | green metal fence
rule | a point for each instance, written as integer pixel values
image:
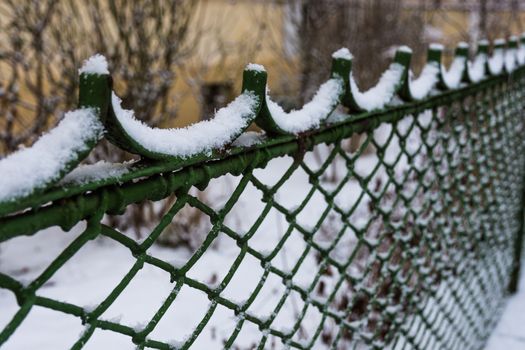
(435, 223)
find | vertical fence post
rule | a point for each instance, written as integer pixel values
(518, 246)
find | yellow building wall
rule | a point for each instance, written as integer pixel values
(229, 35)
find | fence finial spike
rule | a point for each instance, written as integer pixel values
(342, 68)
(254, 79)
(434, 53)
(513, 41)
(403, 56)
(343, 53)
(96, 64)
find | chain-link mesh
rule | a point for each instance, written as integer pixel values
(412, 244)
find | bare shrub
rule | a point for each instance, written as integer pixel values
(39, 59)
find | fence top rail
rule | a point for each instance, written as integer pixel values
(56, 190)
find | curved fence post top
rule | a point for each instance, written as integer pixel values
(483, 46)
(198, 140)
(275, 121)
(30, 171)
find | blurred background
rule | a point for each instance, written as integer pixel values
(175, 62)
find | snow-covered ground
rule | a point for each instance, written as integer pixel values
(100, 265)
(510, 332)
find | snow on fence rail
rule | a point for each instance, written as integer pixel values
(393, 221)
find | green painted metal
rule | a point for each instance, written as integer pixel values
(94, 93)
(438, 270)
(340, 70)
(254, 82)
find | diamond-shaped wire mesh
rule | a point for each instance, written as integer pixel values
(401, 236)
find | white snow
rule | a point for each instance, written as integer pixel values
(96, 64)
(476, 69)
(436, 46)
(101, 170)
(312, 113)
(421, 87)
(496, 62)
(452, 77)
(404, 49)
(510, 59)
(483, 42)
(249, 138)
(255, 67)
(509, 333)
(343, 53)
(378, 96)
(201, 137)
(521, 51)
(520, 54)
(41, 164)
(338, 115)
